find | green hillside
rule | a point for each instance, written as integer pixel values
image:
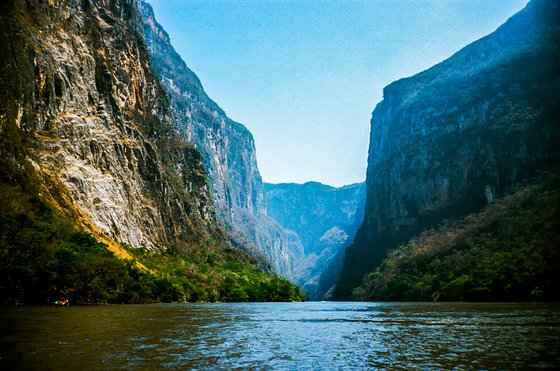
(508, 252)
(44, 257)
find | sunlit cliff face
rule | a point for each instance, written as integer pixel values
(81, 85)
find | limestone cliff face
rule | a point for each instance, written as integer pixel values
(228, 150)
(84, 117)
(325, 219)
(456, 137)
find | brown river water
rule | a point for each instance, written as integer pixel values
(286, 336)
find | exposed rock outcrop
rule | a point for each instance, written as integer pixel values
(325, 219)
(85, 121)
(460, 135)
(228, 150)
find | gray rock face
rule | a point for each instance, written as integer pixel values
(454, 138)
(83, 111)
(325, 219)
(228, 150)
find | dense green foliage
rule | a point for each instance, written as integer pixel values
(43, 258)
(509, 251)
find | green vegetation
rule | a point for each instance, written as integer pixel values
(205, 274)
(44, 258)
(509, 251)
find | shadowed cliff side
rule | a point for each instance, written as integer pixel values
(507, 252)
(454, 138)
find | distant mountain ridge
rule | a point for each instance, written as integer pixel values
(456, 137)
(325, 219)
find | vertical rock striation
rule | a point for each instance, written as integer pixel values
(86, 124)
(452, 139)
(228, 150)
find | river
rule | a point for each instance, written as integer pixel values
(311, 335)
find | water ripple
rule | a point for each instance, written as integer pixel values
(283, 336)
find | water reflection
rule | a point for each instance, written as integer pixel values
(286, 336)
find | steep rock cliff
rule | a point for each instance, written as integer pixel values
(91, 160)
(325, 219)
(460, 135)
(228, 150)
(84, 116)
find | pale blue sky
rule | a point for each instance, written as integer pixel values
(304, 76)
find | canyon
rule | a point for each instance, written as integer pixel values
(119, 172)
(229, 155)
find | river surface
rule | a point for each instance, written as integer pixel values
(311, 335)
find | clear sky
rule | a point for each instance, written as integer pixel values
(304, 76)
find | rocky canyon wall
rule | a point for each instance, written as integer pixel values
(85, 123)
(228, 150)
(458, 136)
